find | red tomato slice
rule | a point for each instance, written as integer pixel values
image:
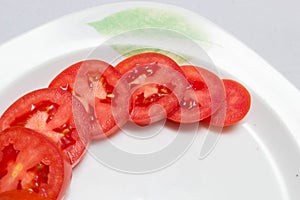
(93, 83)
(30, 161)
(234, 108)
(50, 112)
(203, 96)
(21, 195)
(154, 79)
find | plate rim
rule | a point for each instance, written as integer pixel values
(271, 97)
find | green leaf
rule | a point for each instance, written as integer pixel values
(139, 18)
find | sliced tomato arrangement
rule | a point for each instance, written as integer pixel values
(45, 133)
(154, 94)
(234, 108)
(50, 112)
(21, 195)
(30, 161)
(93, 83)
(202, 97)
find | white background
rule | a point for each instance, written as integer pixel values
(270, 27)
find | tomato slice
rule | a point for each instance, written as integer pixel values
(93, 83)
(153, 79)
(21, 195)
(50, 112)
(234, 108)
(30, 161)
(202, 97)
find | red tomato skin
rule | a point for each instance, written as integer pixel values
(167, 70)
(234, 108)
(21, 195)
(206, 91)
(39, 148)
(75, 79)
(64, 115)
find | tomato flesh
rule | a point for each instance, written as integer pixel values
(150, 77)
(50, 112)
(234, 108)
(202, 97)
(9, 155)
(30, 161)
(149, 60)
(66, 79)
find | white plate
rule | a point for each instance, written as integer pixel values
(256, 159)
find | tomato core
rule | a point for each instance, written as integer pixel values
(156, 92)
(67, 140)
(45, 106)
(35, 176)
(108, 90)
(40, 176)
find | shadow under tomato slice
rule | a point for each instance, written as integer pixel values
(30, 161)
(156, 83)
(201, 98)
(50, 112)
